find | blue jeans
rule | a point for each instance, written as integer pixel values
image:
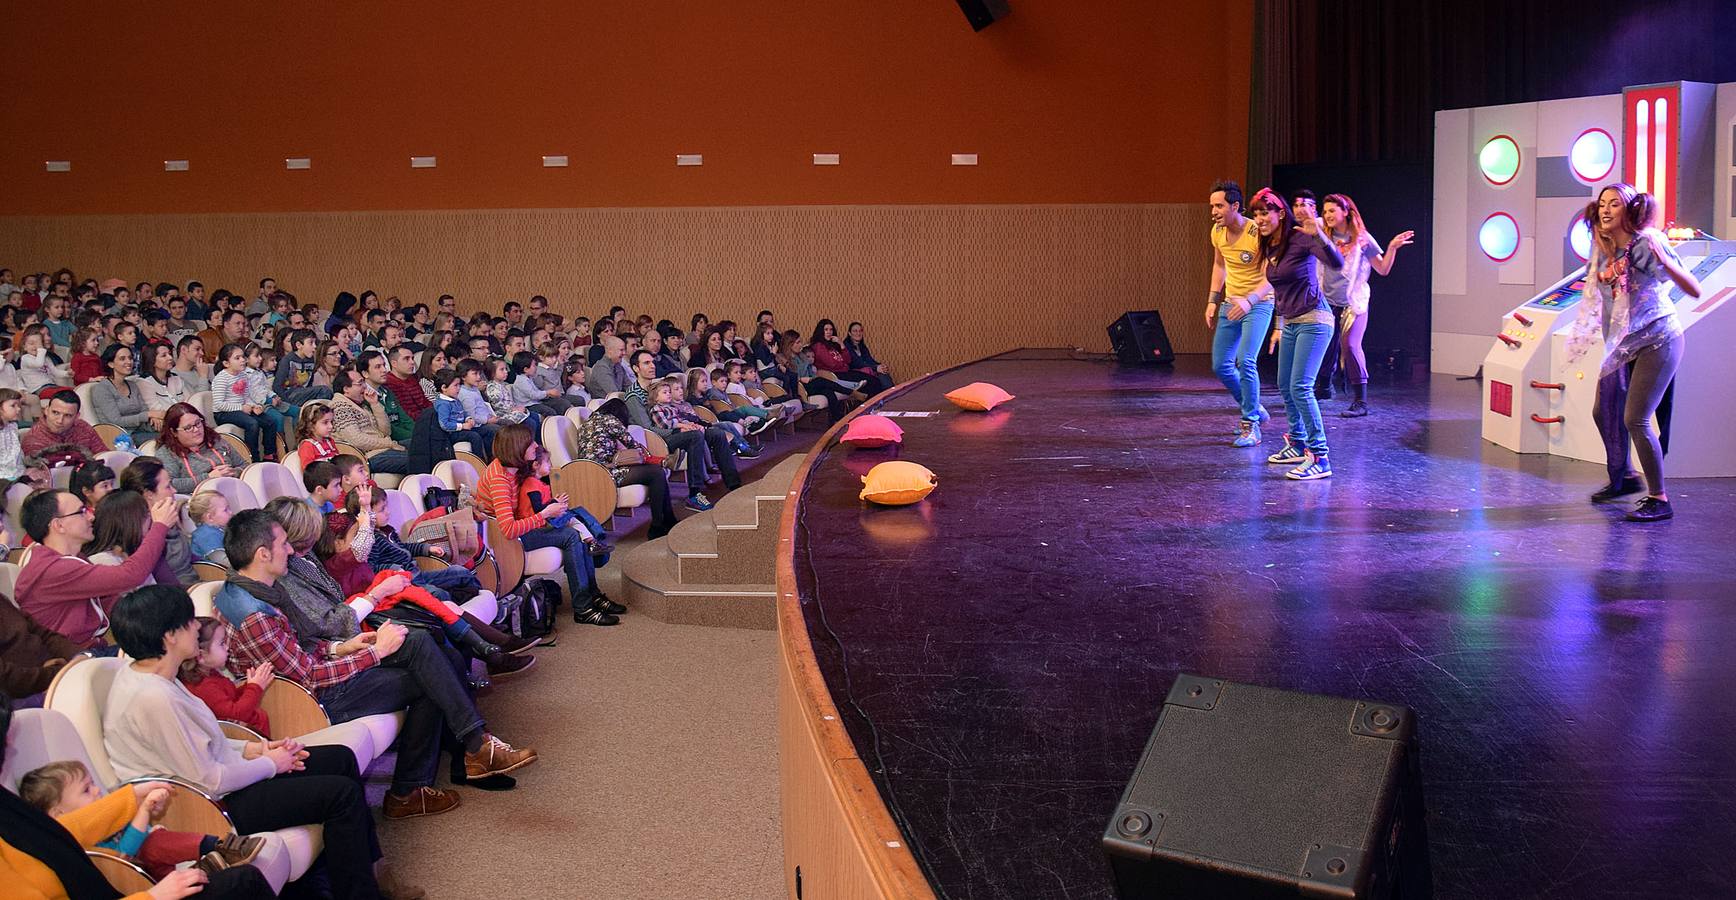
(390, 462)
(438, 581)
(421, 677)
(259, 432)
(1236, 354)
(1300, 351)
(575, 559)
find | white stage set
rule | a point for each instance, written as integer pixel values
(1510, 243)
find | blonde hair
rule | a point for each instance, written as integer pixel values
(42, 787)
(301, 523)
(200, 505)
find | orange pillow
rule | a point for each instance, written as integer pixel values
(980, 396)
(897, 483)
(872, 431)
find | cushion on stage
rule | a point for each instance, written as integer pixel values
(979, 395)
(897, 483)
(872, 431)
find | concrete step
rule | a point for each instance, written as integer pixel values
(735, 542)
(653, 589)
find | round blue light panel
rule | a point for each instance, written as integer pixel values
(1579, 237)
(1592, 155)
(1499, 237)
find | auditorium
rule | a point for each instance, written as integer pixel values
(920, 450)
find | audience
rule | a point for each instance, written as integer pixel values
(149, 477)
(60, 437)
(191, 451)
(704, 445)
(66, 592)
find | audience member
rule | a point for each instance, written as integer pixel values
(192, 451)
(605, 440)
(60, 437)
(210, 513)
(67, 593)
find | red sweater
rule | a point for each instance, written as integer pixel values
(312, 451)
(73, 596)
(409, 394)
(86, 367)
(830, 357)
(231, 701)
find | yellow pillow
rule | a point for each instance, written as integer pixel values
(980, 396)
(897, 483)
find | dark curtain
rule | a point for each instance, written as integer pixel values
(1359, 80)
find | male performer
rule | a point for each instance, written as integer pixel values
(1239, 308)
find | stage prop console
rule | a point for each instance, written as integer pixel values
(1535, 401)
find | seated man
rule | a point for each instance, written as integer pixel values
(359, 420)
(605, 375)
(61, 438)
(30, 655)
(383, 671)
(66, 593)
(693, 438)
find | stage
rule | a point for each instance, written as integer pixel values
(999, 652)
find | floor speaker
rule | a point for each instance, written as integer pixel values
(983, 13)
(1251, 792)
(1138, 338)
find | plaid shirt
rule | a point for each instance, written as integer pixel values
(268, 639)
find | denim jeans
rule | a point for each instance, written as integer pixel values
(1236, 355)
(422, 678)
(439, 581)
(391, 462)
(575, 558)
(1300, 351)
(719, 442)
(259, 433)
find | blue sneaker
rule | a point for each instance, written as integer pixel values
(1250, 436)
(1291, 455)
(1261, 415)
(698, 502)
(1313, 469)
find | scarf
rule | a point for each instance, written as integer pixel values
(242, 597)
(37, 835)
(1588, 328)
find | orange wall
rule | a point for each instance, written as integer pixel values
(1066, 101)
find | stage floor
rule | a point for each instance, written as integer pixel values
(1000, 651)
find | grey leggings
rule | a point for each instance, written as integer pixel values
(1652, 372)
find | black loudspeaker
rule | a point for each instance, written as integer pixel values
(1139, 338)
(983, 13)
(1250, 792)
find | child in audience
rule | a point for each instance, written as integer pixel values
(573, 375)
(11, 451)
(352, 474)
(324, 485)
(722, 386)
(37, 366)
(314, 428)
(211, 513)
(86, 355)
(205, 677)
(534, 494)
(668, 409)
(744, 373)
(450, 412)
(235, 400)
(91, 481)
(66, 786)
(497, 390)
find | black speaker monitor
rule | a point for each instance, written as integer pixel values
(1251, 792)
(983, 13)
(1138, 338)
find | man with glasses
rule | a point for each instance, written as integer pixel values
(71, 595)
(480, 349)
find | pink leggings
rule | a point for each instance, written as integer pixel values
(1350, 356)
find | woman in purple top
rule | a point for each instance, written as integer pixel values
(1288, 252)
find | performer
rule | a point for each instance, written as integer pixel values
(1627, 305)
(1288, 253)
(1346, 292)
(1239, 307)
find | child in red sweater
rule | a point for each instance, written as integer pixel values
(315, 431)
(204, 676)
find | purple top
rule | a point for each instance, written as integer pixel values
(1295, 285)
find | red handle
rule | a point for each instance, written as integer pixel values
(1522, 320)
(1541, 420)
(1510, 341)
(1547, 386)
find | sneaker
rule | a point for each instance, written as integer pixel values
(520, 645)
(1357, 410)
(1312, 469)
(698, 502)
(749, 453)
(1291, 455)
(496, 757)
(232, 850)
(762, 425)
(1250, 436)
(601, 601)
(505, 665)
(592, 615)
(1621, 488)
(423, 801)
(1651, 509)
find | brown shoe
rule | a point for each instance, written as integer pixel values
(232, 850)
(496, 757)
(423, 801)
(394, 888)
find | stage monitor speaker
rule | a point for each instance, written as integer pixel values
(983, 13)
(1138, 338)
(1251, 792)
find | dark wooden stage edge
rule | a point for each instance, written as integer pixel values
(967, 683)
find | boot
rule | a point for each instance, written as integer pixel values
(502, 664)
(472, 643)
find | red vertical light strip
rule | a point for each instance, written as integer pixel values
(1660, 133)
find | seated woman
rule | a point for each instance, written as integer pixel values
(604, 440)
(118, 399)
(191, 451)
(433, 360)
(163, 388)
(863, 362)
(123, 518)
(829, 356)
(763, 353)
(497, 495)
(149, 477)
(155, 726)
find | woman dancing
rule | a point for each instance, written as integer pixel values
(1288, 253)
(1627, 306)
(1346, 290)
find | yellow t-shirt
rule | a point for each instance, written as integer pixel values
(1242, 270)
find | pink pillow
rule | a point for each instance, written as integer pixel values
(979, 396)
(872, 431)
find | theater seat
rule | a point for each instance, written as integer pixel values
(269, 479)
(233, 489)
(415, 487)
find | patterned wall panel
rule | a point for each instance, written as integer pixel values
(935, 285)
